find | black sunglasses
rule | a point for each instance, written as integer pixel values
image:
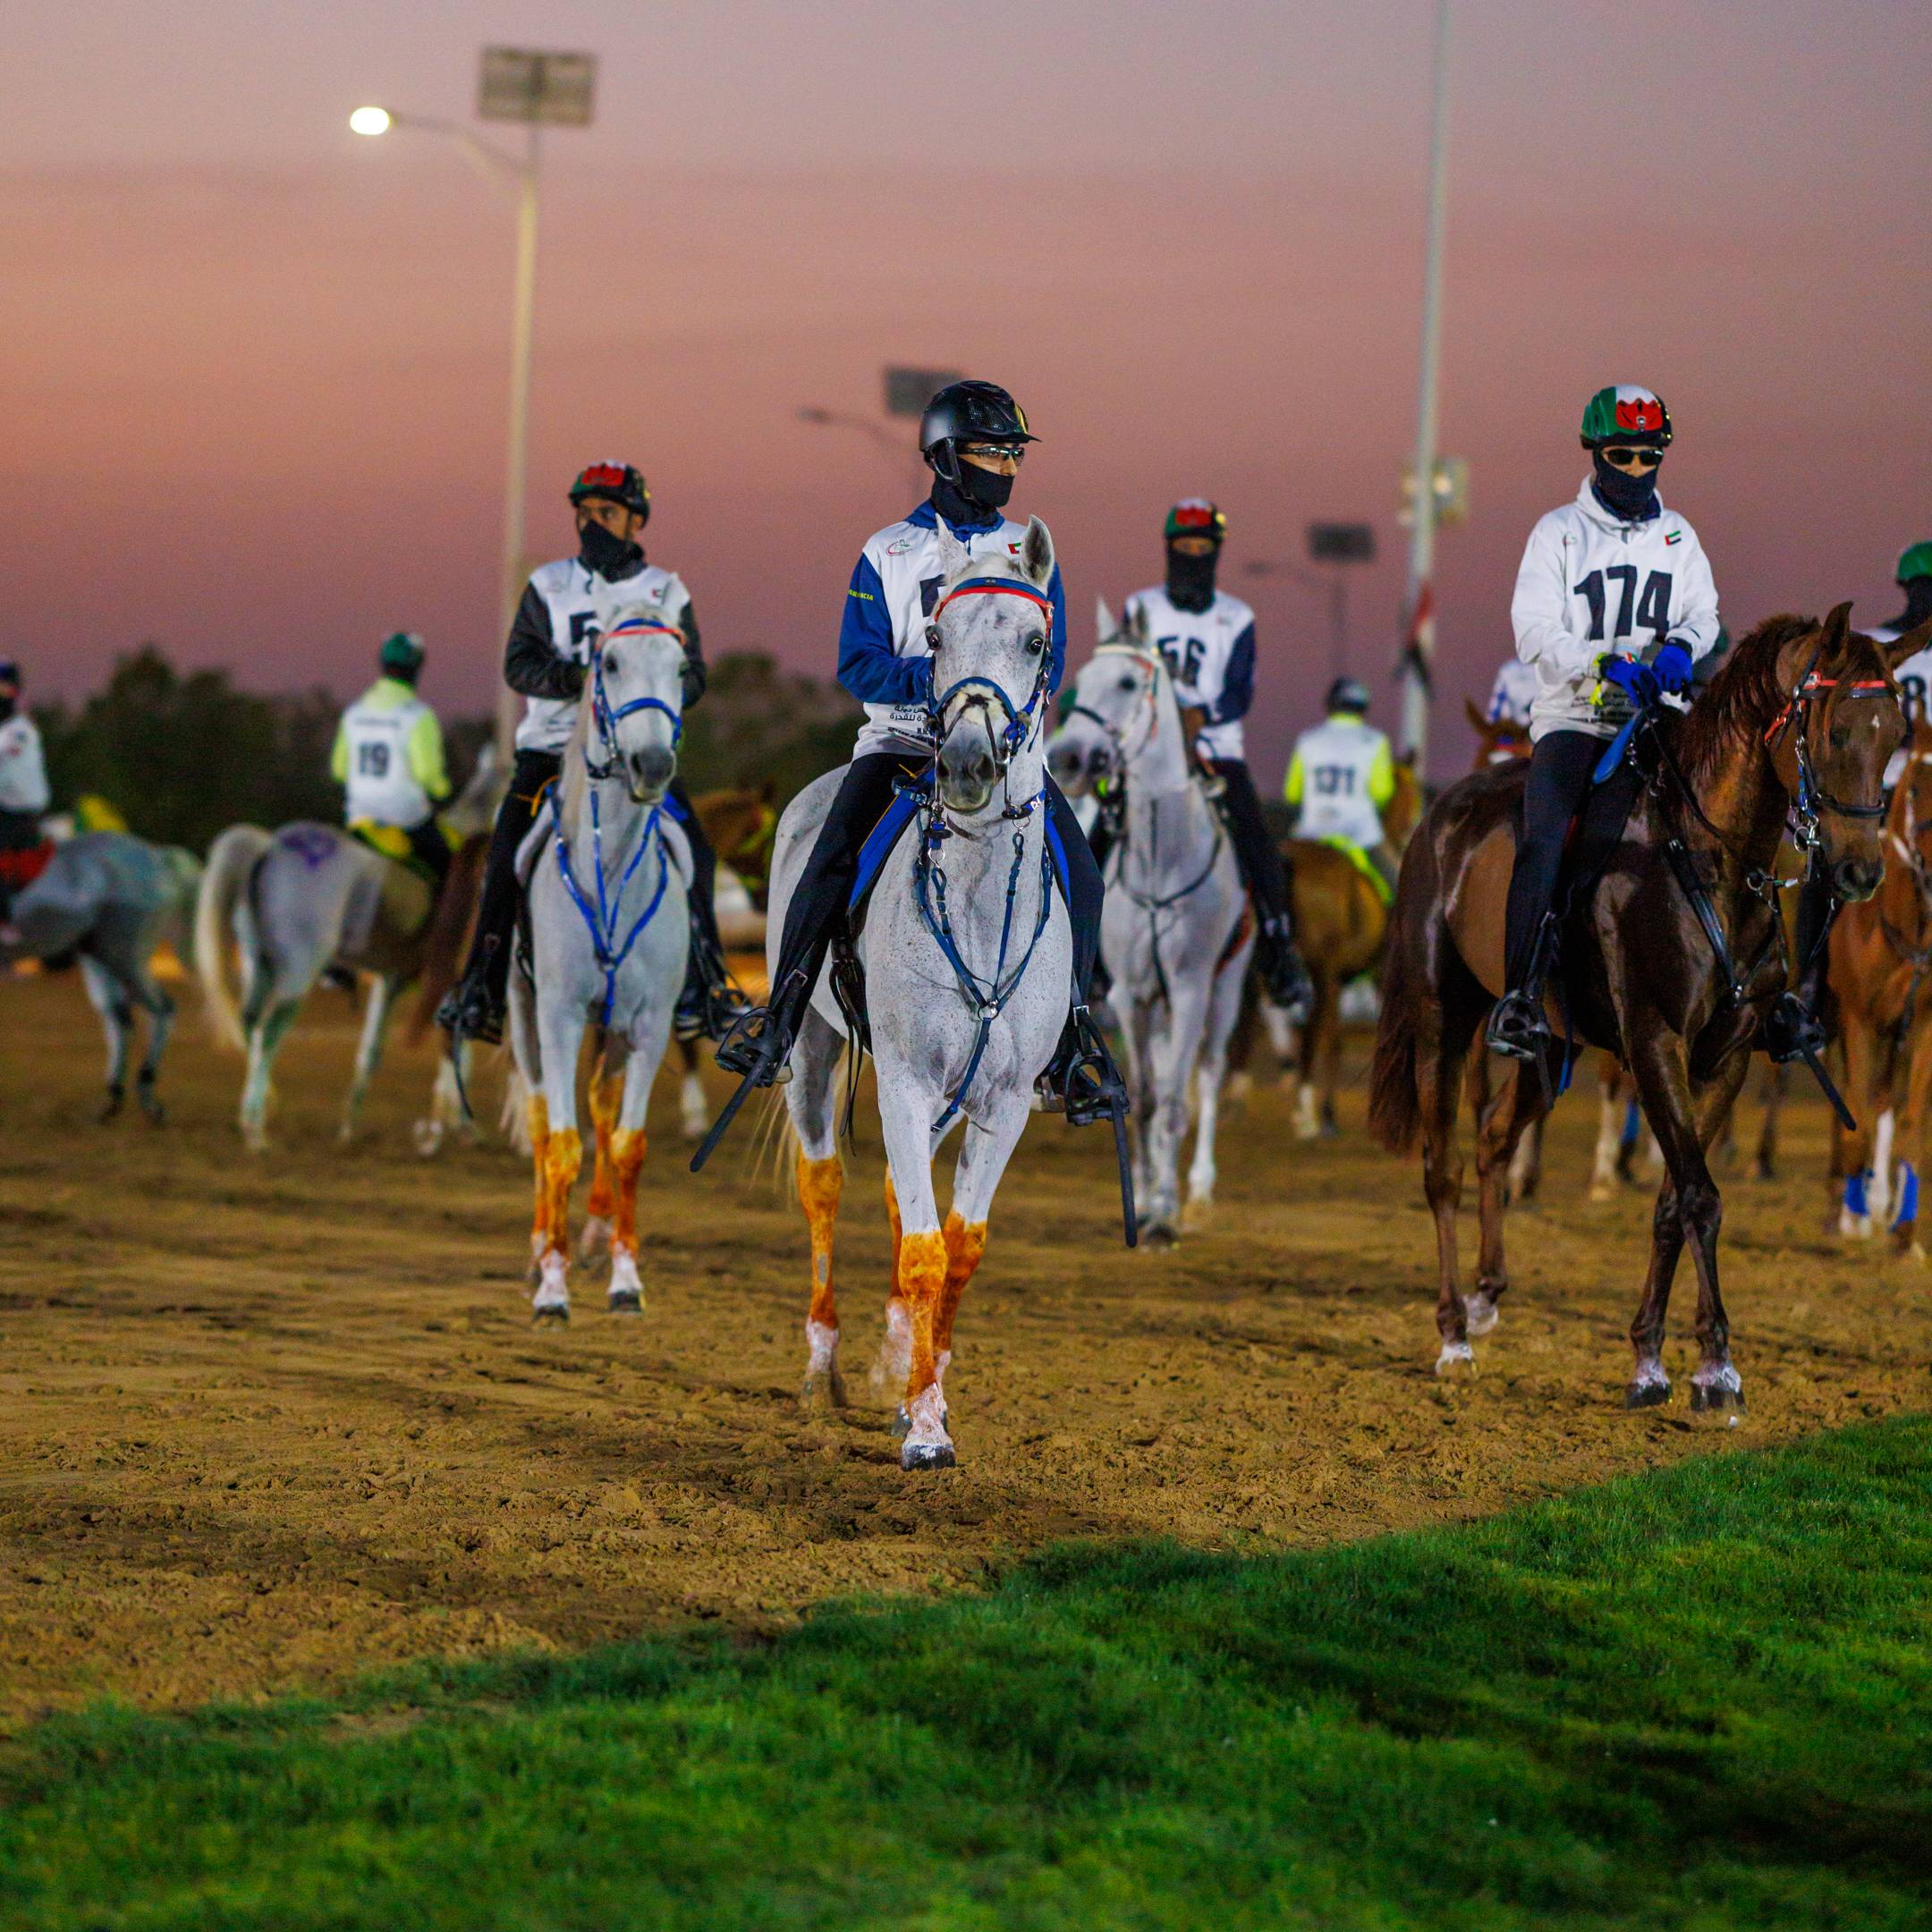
(1643, 457)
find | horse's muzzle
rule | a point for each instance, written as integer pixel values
(968, 768)
(1855, 879)
(1075, 768)
(651, 771)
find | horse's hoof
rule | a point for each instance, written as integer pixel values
(1717, 1396)
(112, 1105)
(1160, 1234)
(1650, 1393)
(926, 1455)
(428, 1136)
(1854, 1226)
(550, 1315)
(1456, 1361)
(1601, 1190)
(1481, 1314)
(625, 1302)
(1331, 1130)
(156, 1114)
(823, 1390)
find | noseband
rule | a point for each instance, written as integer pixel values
(1813, 800)
(606, 718)
(985, 691)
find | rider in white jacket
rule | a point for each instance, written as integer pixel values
(1614, 605)
(23, 792)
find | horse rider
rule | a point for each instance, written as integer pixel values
(973, 437)
(388, 758)
(1208, 638)
(1614, 606)
(545, 660)
(1341, 778)
(1915, 674)
(23, 794)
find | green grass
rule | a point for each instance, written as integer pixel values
(1697, 1699)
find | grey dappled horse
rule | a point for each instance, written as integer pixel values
(113, 899)
(300, 900)
(1175, 933)
(610, 935)
(948, 1050)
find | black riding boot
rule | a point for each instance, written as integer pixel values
(473, 1008)
(759, 1041)
(1080, 1080)
(1560, 766)
(1265, 873)
(431, 850)
(1794, 1028)
(710, 1002)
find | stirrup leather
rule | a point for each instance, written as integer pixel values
(1791, 1030)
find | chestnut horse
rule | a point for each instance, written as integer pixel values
(1881, 977)
(1804, 715)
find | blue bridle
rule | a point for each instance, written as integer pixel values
(602, 919)
(1019, 718)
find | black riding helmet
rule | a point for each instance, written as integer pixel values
(969, 413)
(617, 483)
(1349, 694)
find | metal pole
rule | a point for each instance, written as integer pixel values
(522, 315)
(1420, 612)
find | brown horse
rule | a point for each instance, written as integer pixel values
(1340, 923)
(1881, 978)
(1802, 711)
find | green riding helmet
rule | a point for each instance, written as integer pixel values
(1195, 516)
(1626, 412)
(402, 655)
(1915, 560)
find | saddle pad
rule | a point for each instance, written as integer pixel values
(891, 827)
(1363, 864)
(393, 842)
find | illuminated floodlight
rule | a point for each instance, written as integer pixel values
(370, 120)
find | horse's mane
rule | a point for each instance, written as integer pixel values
(1748, 693)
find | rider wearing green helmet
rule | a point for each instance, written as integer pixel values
(388, 758)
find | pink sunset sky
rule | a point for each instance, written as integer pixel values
(257, 368)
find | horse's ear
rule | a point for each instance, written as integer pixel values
(1909, 646)
(1837, 627)
(1105, 628)
(1478, 723)
(1036, 553)
(953, 555)
(1136, 624)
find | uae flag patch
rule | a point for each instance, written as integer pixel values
(1676, 536)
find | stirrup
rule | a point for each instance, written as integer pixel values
(757, 1044)
(1082, 1081)
(709, 1009)
(469, 1011)
(1517, 1025)
(1791, 1030)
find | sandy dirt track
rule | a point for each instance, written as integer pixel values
(265, 1421)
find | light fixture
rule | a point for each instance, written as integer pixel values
(370, 120)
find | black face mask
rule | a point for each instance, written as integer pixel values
(1190, 580)
(985, 489)
(7, 705)
(1631, 498)
(611, 557)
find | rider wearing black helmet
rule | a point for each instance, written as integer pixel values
(544, 659)
(1340, 780)
(1208, 638)
(973, 437)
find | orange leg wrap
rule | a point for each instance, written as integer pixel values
(627, 1163)
(562, 1158)
(605, 1096)
(964, 1247)
(922, 1273)
(820, 1183)
(538, 1114)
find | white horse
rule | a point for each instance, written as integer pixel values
(968, 955)
(610, 929)
(1175, 934)
(300, 900)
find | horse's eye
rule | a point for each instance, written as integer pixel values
(1035, 643)
(932, 637)
(1127, 683)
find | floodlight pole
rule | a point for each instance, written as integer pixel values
(1419, 612)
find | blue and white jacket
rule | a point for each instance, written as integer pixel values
(883, 660)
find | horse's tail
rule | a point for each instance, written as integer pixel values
(231, 860)
(1395, 1103)
(450, 920)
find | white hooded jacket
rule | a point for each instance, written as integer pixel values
(1590, 583)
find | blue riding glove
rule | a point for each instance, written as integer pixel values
(1637, 681)
(1672, 665)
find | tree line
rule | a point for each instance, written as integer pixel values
(181, 755)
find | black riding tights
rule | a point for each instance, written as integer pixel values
(825, 887)
(1561, 765)
(497, 910)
